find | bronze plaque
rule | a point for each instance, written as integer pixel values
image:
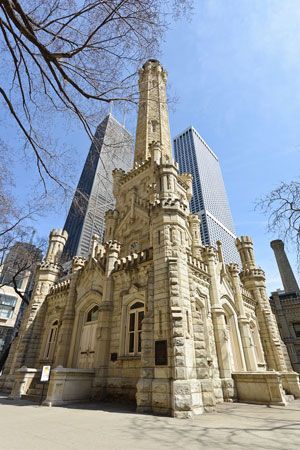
(161, 353)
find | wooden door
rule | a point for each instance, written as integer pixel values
(86, 357)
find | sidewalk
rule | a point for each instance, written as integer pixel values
(24, 425)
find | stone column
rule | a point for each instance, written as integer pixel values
(194, 222)
(104, 321)
(287, 276)
(66, 328)
(219, 325)
(248, 346)
(144, 385)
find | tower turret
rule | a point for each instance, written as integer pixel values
(245, 248)
(57, 240)
(153, 120)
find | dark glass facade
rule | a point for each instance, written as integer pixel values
(112, 148)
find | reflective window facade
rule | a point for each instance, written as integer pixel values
(112, 148)
(209, 195)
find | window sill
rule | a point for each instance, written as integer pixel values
(128, 357)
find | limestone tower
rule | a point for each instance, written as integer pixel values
(153, 316)
(153, 120)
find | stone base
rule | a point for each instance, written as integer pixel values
(6, 383)
(164, 397)
(186, 398)
(228, 388)
(69, 385)
(260, 388)
(22, 381)
(290, 382)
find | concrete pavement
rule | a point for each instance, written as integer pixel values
(24, 425)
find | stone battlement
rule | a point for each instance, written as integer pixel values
(197, 263)
(60, 287)
(133, 260)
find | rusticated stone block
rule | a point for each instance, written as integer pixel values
(183, 402)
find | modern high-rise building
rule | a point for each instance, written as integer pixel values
(111, 149)
(209, 200)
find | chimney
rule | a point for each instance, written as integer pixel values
(287, 276)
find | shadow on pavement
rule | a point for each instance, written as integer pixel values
(122, 408)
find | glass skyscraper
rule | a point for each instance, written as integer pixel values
(209, 200)
(112, 148)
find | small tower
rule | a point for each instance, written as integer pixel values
(27, 347)
(245, 248)
(253, 278)
(153, 120)
(57, 240)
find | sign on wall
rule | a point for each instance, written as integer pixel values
(45, 373)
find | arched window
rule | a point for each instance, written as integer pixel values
(134, 328)
(51, 341)
(92, 315)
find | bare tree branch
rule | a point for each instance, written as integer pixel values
(282, 207)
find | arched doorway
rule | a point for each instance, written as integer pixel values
(87, 346)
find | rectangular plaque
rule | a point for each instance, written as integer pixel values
(161, 353)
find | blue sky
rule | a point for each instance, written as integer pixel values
(235, 68)
(236, 71)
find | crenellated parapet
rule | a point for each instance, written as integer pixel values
(51, 266)
(137, 170)
(133, 260)
(256, 274)
(199, 266)
(60, 287)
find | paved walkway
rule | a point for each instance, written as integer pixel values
(24, 425)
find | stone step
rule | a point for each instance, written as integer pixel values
(35, 395)
(37, 390)
(33, 398)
